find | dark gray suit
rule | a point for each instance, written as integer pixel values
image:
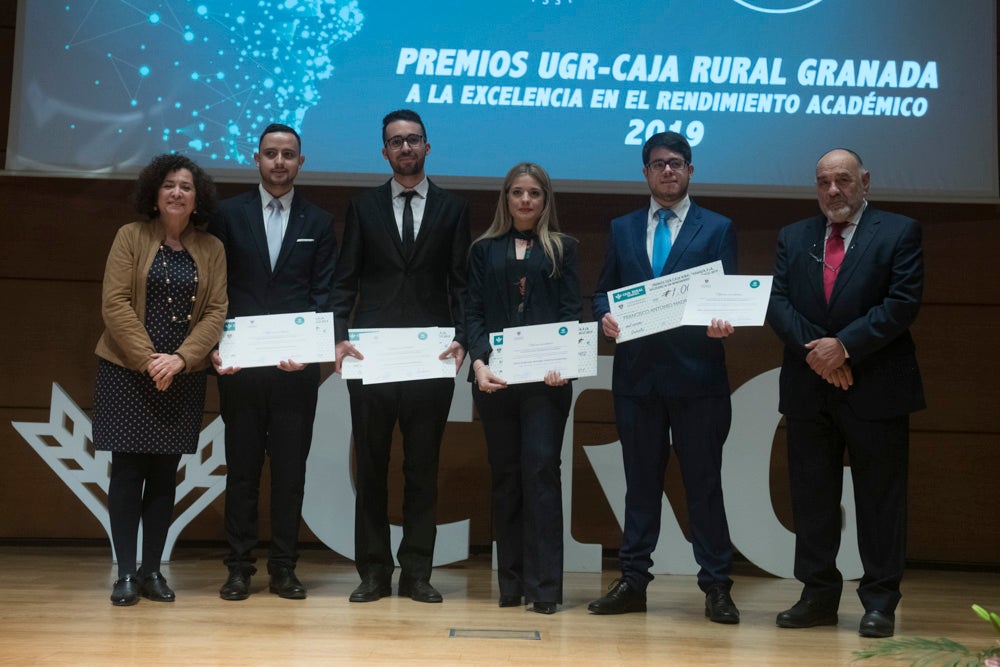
(875, 299)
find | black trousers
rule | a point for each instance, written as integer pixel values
(421, 408)
(269, 412)
(142, 487)
(879, 458)
(524, 426)
(697, 427)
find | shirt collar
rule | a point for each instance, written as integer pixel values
(680, 209)
(285, 199)
(420, 188)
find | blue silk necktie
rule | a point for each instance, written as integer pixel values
(661, 240)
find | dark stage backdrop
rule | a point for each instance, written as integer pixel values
(56, 233)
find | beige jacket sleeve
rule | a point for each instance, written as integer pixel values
(118, 301)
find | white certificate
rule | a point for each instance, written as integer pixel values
(352, 368)
(586, 333)
(399, 354)
(740, 300)
(266, 340)
(655, 305)
(526, 354)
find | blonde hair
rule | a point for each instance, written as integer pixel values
(547, 226)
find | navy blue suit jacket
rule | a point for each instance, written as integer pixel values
(302, 278)
(683, 361)
(875, 299)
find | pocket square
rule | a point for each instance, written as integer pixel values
(304, 240)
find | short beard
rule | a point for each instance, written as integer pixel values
(843, 212)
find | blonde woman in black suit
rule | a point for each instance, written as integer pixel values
(523, 271)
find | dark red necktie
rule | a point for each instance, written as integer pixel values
(833, 257)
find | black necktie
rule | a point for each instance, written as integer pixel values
(408, 221)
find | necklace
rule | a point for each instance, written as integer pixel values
(176, 304)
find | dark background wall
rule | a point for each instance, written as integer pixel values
(56, 233)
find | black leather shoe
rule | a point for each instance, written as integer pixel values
(419, 590)
(720, 608)
(125, 592)
(622, 598)
(543, 607)
(286, 585)
(878, 624)
(237, 586)
(807, 614)
(510, 600)
(373, 587)
(154, 587)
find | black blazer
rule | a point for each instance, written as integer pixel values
(303, 274)
(875, 299)
(547, 299)
(376, 285)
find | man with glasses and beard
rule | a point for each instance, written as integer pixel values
(402, 264)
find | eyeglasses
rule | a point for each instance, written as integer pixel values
(675, 164)
(814, 255)
(412, 140)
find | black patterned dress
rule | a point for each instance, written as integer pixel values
(130, 414)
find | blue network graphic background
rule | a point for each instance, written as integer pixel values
(202, 77)
(103, 85)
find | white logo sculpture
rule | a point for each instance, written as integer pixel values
(64, 442)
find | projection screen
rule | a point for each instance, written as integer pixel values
(761, 88)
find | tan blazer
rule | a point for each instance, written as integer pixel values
(123, 301)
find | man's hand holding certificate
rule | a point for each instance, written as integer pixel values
(269, 340)
(693, 297)
(655, 305)
(739, 300)
(399, 354)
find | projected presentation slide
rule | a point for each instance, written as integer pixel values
(761, 88)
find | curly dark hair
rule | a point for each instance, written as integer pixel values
(147, 187)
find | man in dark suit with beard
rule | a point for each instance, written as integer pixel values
(402, 264)
(847, 287)
(280, 253)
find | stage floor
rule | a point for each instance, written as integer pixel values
(55, 611)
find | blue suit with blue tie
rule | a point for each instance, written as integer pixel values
(671, 388)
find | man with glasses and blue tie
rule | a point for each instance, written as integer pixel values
(670, 388)
(402, 264)
(280, 253)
